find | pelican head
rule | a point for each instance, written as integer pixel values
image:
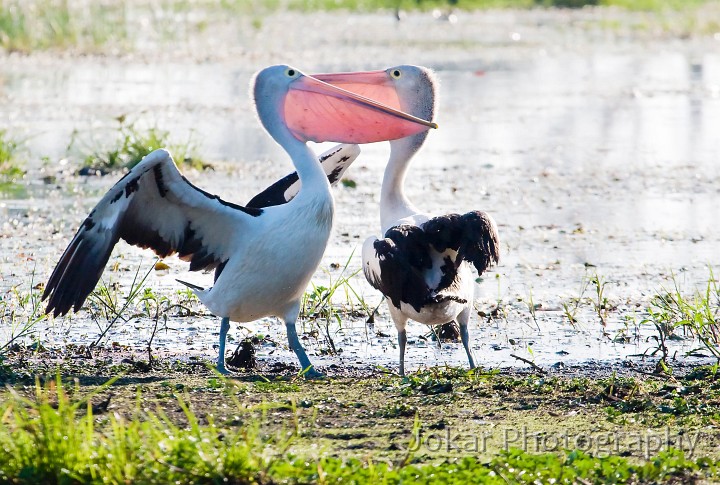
(291, 103)
(412, 89)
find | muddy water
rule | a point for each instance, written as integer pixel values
(597, 154)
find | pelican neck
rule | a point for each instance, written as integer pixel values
(394, 204)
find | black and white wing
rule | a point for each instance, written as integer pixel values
(396, 264)
(473, 235)
(334, 161)
(153, 206)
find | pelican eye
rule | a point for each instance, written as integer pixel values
(396, 73)
(291, 72)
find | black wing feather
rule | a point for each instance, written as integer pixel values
(404, 255)
(334, 161)
(480, 242)
(473, 235)
(275, 194)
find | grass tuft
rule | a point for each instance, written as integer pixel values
(20, 312)
(28, 25)
(56, 439)
(697, 314)
(11, 170)
(131, 145)
(319, 309)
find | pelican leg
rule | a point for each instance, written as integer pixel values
(400, 322)
(463, 320)
(224, 327)
(402, 340)
(296, 346)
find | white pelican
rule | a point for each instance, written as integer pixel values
(423, 264)
(263, 257)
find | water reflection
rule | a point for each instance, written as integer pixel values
(610, 108)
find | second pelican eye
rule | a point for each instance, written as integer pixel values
(291, 72)
(396, 73)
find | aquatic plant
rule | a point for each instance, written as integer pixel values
(103, 303)
(106, 309)
(131, 144)
(600, 304)
(20, 312)
(318, 307)
(532, 308)
(10, 167)
(570, 310)
(158, 307)
(441, 380)
(697, 314)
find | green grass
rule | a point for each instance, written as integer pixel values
(55, 439)
(321, 309)
(104, 303)
(572, 306)
(675, 313)
(20, 312)
(57, 435)
(41, 24)
(108, 306)
(690, 402)
(600, 303)
(131, 144)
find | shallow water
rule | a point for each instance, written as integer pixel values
(596, 154)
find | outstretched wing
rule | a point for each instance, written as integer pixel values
(334, 161)
(395, 265)
(473, 235)
(153, 206)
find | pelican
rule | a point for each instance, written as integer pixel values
(423, 263)
(263, 257)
